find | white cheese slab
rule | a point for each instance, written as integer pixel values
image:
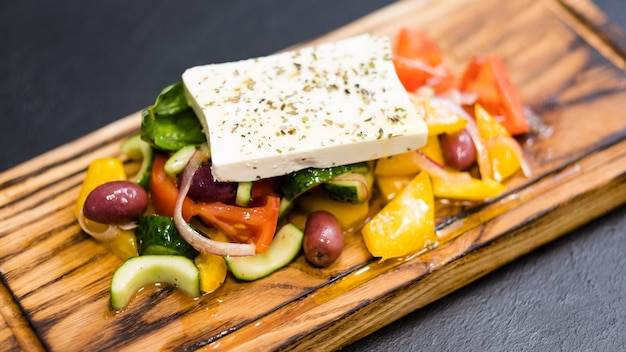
(332, 104)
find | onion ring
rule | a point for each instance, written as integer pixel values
(108, 234)
(437, 170)
(191, 236)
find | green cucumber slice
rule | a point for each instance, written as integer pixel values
(284, 248)
(157, 235)
(176, 163)
(296, 183)
(285, 206)
(136, 148)
(137, 272)
(350, 187)
(244, 194)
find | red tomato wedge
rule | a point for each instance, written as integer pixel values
(419, 62)
(486, 76)
(255, 224)
(417, 45)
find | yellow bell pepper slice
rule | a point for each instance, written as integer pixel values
(348, 214)
(504, 161)
(437, 128)
(449, 125)
(391, 186)
(396, 165)
(438, 118)
(406, 224)
(212, 270)
(433, 150)
(404, 164)
(488, 127)
(123, 245)
(100, 171)
(472, 190)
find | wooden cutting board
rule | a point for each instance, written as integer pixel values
(568, 64)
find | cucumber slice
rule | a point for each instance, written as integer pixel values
(176, 163)
(301, 181)
(350, 187)
(284, 248)
(244, 194)
(138, 272)
(136, 148)
(157, 235)
(285, 207)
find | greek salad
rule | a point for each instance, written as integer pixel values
(241, 167)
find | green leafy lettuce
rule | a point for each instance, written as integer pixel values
(170, 123)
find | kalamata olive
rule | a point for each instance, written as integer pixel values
(323, 239)
(204, 188)
(116, 202)
(458, 150)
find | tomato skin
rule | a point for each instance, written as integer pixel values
(266, 186)
(486, 76)
(256, 224)
(414, 74)
(415, 44)
(419, 62)
(164, 192)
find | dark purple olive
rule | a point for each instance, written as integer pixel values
(458, 150)
(323, 239)
(116, 202)
(205, 189)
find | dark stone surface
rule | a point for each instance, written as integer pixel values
(68, 68)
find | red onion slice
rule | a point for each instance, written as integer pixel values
(108, 234)
(360, 178)
(437, 170)
(460, 98)
(438, 71)
(191, 236)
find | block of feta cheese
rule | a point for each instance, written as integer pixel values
(332, 104)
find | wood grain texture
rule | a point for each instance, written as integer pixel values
(570, 77)
(15, 331)
(8, 341)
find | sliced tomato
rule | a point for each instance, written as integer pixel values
(163, 192)
(417, 45)
(266, 186)
(419, 62)
(486, 76)
(255, 224)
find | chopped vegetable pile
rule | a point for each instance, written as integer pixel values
(170, 217)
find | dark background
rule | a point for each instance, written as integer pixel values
(68, 68)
